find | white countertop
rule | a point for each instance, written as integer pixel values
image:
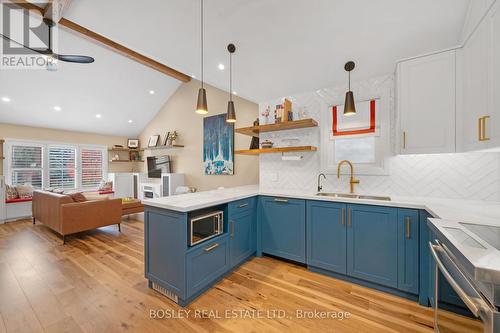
(449, 209)
(446, 212)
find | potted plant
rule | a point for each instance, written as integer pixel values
(172, 138)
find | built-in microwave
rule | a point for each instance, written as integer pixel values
(204, 227)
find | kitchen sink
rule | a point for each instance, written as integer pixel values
(353, 196)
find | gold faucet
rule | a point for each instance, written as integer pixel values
(353, 180)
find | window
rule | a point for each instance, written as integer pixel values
(92, 168)
(26, 165)
(62, 167)
(56, 165)
(356, 150)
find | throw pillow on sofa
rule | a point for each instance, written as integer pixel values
(25, 191)
(78, 197)
(11, 192)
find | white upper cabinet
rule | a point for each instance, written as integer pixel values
(492, 124)
(480, 114)
(426, 102)
(474, 107)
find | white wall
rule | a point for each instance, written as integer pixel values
(465, 175)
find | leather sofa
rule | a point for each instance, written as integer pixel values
(60, 213)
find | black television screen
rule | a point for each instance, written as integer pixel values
(158, 165)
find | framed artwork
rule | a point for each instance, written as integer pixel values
(218, 145)
(153, 140)
(133, 143)
(165, 141)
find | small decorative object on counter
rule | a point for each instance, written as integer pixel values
(254, 144)
(153, 140)
(267, 144)
(173, 138)
(265, 114)
(287, 111)
(165, 141)
(133, 143)
(116, 157)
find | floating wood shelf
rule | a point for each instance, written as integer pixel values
(125, 161)
(256, 130)
(164, 147)
(275, 150)
(124, 149)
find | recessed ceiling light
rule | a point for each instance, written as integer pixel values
(57, 108)
(151, 92)
(98, 115)
(130, 121)
(6, 99)
(221, 67)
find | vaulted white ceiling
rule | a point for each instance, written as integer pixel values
(283, 47)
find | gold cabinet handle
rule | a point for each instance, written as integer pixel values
(481, 128)
(408, 227)
(485, 138)
(280, 200)
(349, 224)
(343, 216)
(243, 205)
(232, 229)
(404, 139)
(210, 248)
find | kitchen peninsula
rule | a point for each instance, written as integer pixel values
(377, 243)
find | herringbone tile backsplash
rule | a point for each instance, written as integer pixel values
(473, 176)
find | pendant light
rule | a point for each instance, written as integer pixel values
(231, 114)
(202, 107)
(349, 107)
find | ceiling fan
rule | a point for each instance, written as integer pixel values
(80, 59)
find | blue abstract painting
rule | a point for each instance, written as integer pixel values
(218, 145)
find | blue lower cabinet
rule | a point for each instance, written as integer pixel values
(283, 228)
(408, 246)
(206, 263)
(165, 245)
(327, 236)
(372, 244)
(241, 236)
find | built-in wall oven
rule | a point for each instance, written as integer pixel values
(204, 227)
(468, 290)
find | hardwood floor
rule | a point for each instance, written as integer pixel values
(95, 283)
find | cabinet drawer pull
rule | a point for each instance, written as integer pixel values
(481, 128)
(232, 229)
(210, 248)
(408, 227)
(281, 200)
(349, 224)
(243, 205)
(404, 139)
(343, 216)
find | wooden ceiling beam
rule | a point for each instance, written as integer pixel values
(114, 46)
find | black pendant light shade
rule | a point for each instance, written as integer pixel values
(202, 107)
(231, 113)
(349, 107)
